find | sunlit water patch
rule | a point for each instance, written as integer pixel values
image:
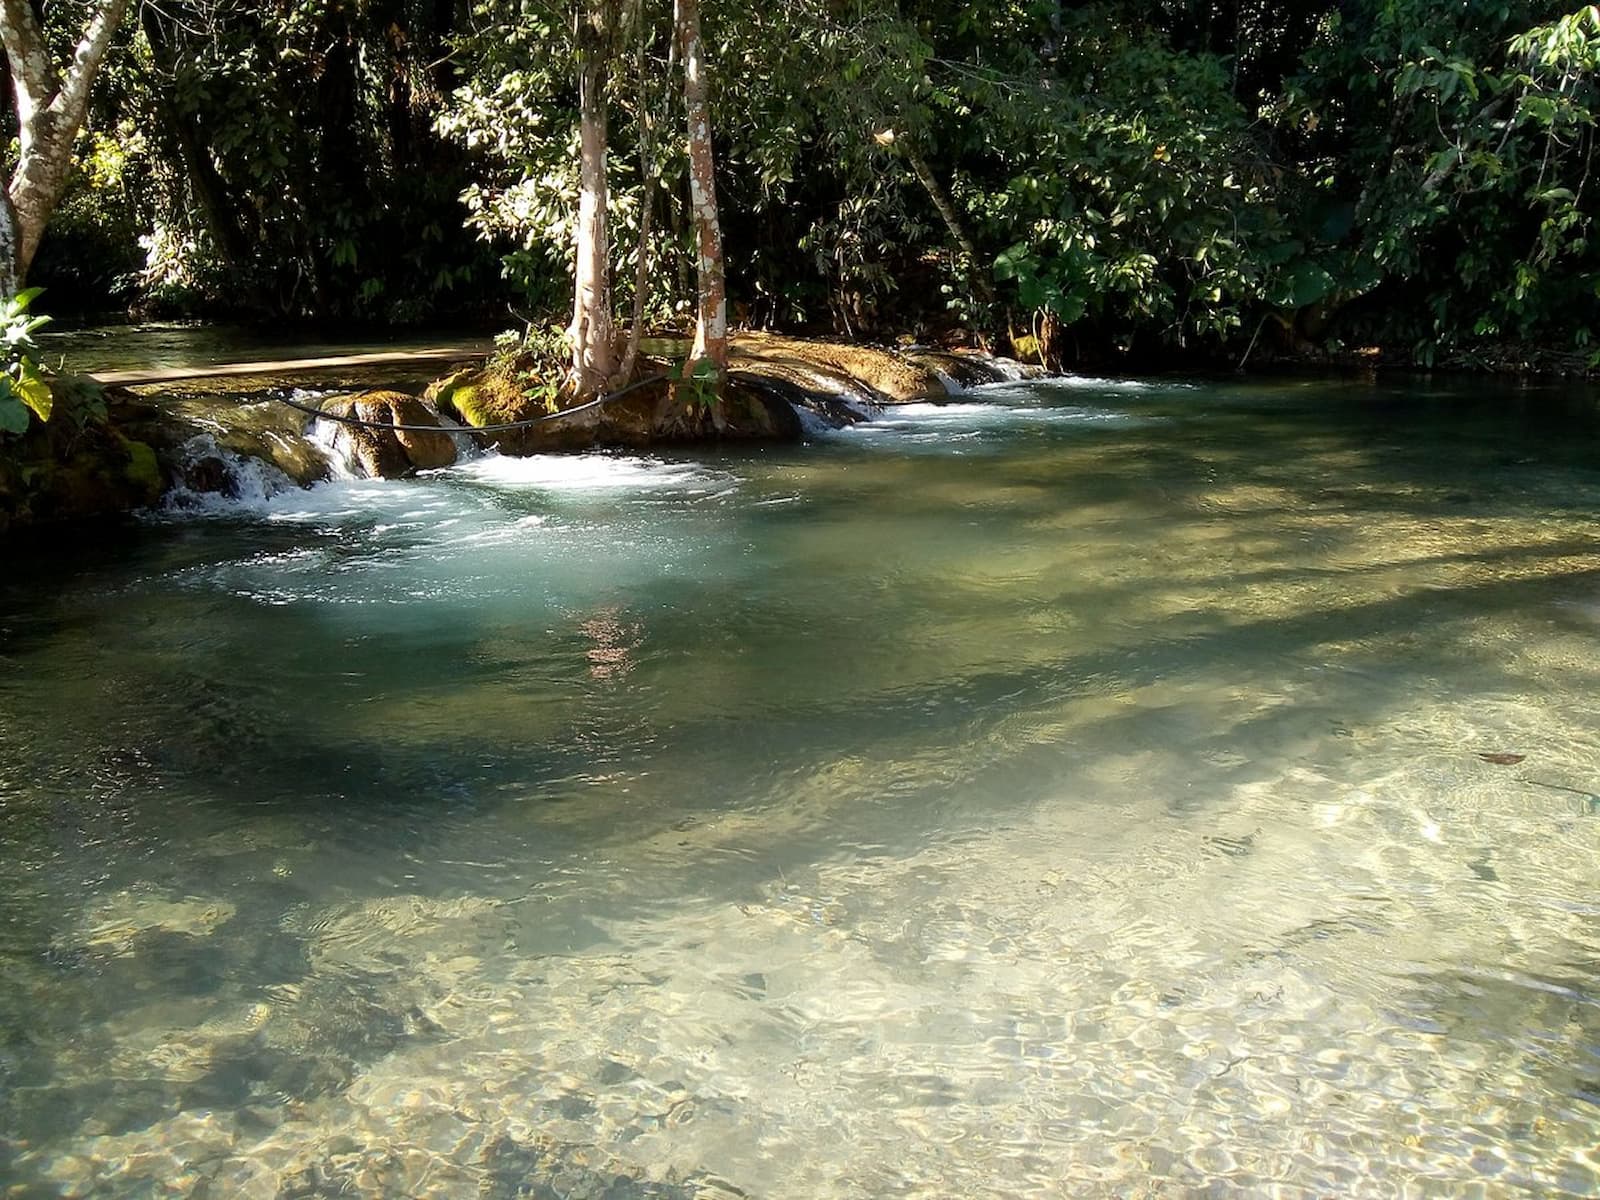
(1193, 793)
(987, 419)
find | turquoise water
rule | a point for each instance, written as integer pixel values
(1074, 790)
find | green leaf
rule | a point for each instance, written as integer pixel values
(35, 393)
(19, 303)
(13, 416)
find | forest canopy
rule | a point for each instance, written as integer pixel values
(1203, 177)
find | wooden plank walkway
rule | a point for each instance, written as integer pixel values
(290, 366)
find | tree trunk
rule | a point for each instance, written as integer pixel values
(711, 318)
(206, 185)
(593, 341)
(10, 281)
(50, 108)
(647, 196)
(981, 288)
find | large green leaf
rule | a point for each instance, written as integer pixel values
(13, 416)
(35, 393)
(1305, 284)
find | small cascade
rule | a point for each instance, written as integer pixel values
(1007, 370)
(210, 476)
(337, 441)
(823, 400)
(468, 447)
(334, 440)
(960, 371)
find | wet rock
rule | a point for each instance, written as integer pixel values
(971, 368)
(209, 474)
(805, 391)
(663, 414)
(653, 414)
(392, 453)
(895, 377)
(264, 431)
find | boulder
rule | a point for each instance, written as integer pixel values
(485, 397)
(388, 453)
(894, 378)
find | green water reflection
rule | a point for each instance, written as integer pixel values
(1078, 791)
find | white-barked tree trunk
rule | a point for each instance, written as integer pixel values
(711, 315)
(50, 104)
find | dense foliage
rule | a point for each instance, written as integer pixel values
(1223, 177)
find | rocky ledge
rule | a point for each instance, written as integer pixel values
(112, 450)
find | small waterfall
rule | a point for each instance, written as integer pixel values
(210, 476)
(812, 423)
(824, 400)
(335, 442)
(960, 371)
(1009, 369)
(467, 446)
(832, 400)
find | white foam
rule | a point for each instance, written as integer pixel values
(1097, 383)
(590, 472)
(253, 481)
(334, 440)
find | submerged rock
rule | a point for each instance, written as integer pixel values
(117, 921)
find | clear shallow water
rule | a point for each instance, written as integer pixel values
(1073, 792)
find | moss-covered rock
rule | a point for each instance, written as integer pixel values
(653, 414)
(265, 430)
(770, 377)
(76, 467)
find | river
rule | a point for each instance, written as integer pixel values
(1091, 787)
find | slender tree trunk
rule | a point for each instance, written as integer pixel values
(711, 320)
(641, 285)
(647, 195)
(981, 288)
(50, 107)
(593, 340)
(208, 188)
(10, 282)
